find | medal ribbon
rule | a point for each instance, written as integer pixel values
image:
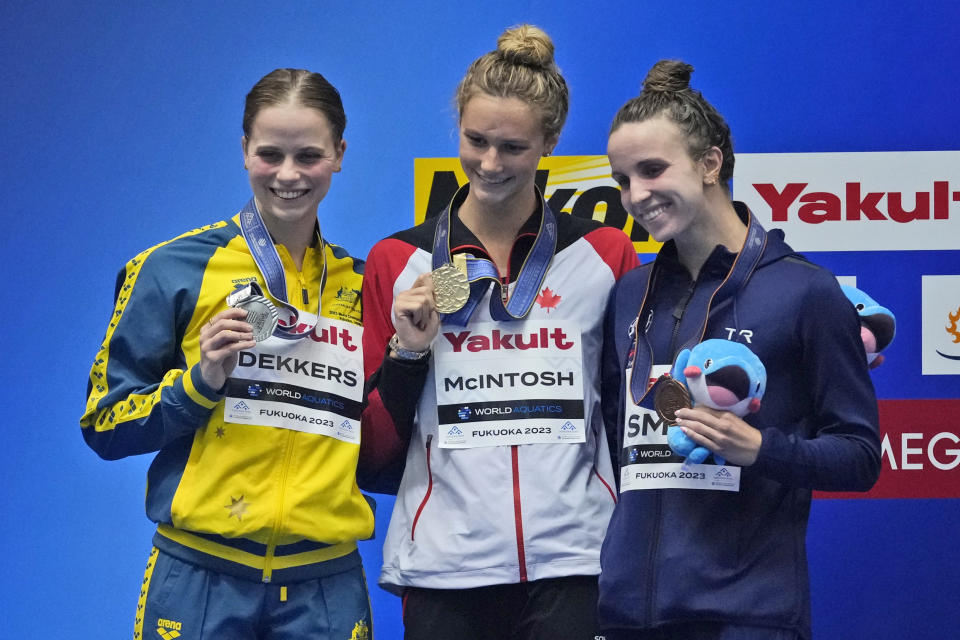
(268, 262)
(481, 270)
(740, 272)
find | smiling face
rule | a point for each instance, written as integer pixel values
(291, 155)
(661, 185)
(501, 142)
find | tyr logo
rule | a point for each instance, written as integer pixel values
(746, 334)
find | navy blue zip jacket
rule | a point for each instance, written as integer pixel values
(677, 555)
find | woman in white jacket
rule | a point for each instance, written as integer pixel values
(494, 407)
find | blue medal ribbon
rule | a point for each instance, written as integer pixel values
(740, 272)
(480, 270)
(268, 262)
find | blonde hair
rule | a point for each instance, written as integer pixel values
(522, 67)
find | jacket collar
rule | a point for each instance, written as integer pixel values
(463, 240)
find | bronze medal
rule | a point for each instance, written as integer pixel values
(670, 396)
(451, 289)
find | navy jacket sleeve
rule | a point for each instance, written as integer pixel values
(837, 448)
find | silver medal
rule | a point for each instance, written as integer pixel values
(261, 315)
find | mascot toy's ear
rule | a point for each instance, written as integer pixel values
(679, 365)
(878, 325)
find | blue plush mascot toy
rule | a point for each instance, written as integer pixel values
(877, 324)
(720, 374)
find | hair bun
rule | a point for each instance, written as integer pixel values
(668, 76)
(527, 45)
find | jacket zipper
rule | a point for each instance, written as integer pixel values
(678, 312)
(272, 542)
(652, 563)
(426, 496)
(505, 281)
(517, 515)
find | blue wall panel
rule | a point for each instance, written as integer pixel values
(121, 128)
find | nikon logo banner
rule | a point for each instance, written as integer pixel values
(578, 185)
(876, 201)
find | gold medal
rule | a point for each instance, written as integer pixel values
(451, 289)
(670, 396)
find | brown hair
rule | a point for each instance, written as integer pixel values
(666, 91)
(521, 67)
(307, 88)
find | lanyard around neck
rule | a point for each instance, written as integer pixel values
(268, 262)
(480, 270)
(740, 272)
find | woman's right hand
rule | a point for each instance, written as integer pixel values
(221, 340)
(416, 320)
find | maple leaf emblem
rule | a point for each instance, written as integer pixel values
(548, 299)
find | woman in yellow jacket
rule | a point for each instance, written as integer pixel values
(233, 353)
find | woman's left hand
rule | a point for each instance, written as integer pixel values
(723, 433)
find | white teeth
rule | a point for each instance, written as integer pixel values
(491, 181)
(288, 195)
(652, 213)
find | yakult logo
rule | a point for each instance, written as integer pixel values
(337, 337)
(855, 201)
(497, 340)
(814, 207)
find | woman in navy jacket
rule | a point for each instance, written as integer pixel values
(718, 551)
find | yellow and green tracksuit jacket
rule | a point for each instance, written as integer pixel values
(253, 501)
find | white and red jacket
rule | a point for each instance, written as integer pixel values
(473, 517)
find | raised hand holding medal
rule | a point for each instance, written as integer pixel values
(250, 317)
(222, 338)
(415, 316)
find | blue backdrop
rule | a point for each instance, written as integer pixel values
(121, 122)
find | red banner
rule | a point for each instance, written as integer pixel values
(921, 451)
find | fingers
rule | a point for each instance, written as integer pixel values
(229, 318)
(696, 431)
(225, 333)
(225, 342)
(721, 432)
(222, 337)
(424, 280)
(416, 305)
(705, 425)
(416, 319)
